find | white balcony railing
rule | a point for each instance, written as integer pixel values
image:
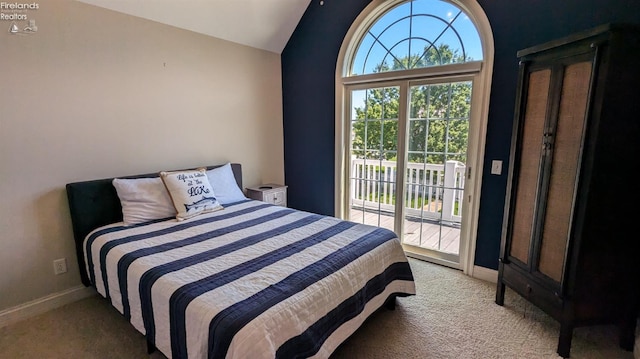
(432, 191)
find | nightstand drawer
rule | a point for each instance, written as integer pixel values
(270, 193)
(277, 197)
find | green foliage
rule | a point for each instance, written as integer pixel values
(438, 115)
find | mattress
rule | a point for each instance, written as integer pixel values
(251, 281)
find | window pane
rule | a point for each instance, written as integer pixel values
(417, 135)
(390, 136)
(357, 135)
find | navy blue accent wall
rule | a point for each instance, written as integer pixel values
(308, 89)
(308, 100)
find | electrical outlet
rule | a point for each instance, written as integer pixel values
(60, 266)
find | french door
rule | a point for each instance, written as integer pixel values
(408, 151)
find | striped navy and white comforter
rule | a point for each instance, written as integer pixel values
(250, 281)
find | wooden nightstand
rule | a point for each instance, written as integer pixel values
(270, 193)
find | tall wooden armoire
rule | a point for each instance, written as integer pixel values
(571, 224)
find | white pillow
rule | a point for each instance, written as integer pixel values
(143, 200)
(224, 184)
(190, 192)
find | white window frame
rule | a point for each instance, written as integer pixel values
(479, 112)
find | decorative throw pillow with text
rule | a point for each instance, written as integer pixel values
(190, 192)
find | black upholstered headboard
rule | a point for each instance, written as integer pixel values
(95, 203)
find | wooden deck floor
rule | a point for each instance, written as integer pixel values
(421, 233)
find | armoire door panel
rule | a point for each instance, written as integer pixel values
(564, 168)
(530, 158)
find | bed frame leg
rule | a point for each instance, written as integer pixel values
(390, 303)
(150, 347)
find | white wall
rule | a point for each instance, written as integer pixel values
(97, 94)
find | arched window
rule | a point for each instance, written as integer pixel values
(417, 34)
(412, 86)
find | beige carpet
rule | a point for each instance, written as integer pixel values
(453, 316)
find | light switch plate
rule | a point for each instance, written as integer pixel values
(496, 167)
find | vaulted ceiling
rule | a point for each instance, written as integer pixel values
(263, 24)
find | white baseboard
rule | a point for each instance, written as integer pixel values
(44, 304)
(486, 274)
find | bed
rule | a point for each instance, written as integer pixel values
(250, 280)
